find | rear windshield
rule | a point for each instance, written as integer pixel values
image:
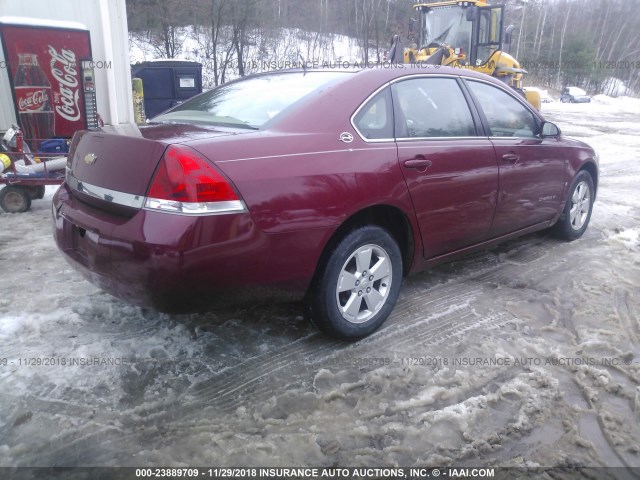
(248, 103)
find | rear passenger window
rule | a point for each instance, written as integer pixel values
(431, 107)
(375, 119)
(506, 116)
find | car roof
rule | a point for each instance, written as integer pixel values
(329, 103)
(576, 91)
(386, 71)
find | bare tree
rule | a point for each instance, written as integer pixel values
(243, 32)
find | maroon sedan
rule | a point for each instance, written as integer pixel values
(327, 185)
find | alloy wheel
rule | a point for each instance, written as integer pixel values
(364, 283)
(580, 205)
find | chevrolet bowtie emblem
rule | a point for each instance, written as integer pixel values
(90, 158)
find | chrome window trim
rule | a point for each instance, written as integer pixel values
(412, 139)
(406, 145)
(463, 77)
(511, 138)
(388, 84)
(509, 91)
(441, 75)
(376, 140)
(423, 75)
(353, 116)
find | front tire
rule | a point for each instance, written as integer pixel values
(358, 285)
(577, 211)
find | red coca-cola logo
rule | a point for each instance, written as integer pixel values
(63, 69)
(31, 99)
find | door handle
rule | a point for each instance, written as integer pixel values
(418, 163)
(510, 157)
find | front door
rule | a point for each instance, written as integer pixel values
(451, 172)
(532, 170)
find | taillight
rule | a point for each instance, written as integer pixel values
(186, 183)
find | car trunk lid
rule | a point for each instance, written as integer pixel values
(111, 168)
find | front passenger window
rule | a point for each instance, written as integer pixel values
(505, 115)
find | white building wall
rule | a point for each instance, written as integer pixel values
(106, 21)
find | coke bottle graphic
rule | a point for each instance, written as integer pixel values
(33, 97)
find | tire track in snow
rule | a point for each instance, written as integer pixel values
(443, 323)
(423, 319)
(628, 321)
(254, 379)
(439, 315)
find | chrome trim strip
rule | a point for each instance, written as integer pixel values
(105, 194)
(514, 138)
(195, 209)
(411, 139)
(154, 204)
(375, 140)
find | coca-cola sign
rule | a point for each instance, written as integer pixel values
(47, 89)
(31, 99)
(64, 71)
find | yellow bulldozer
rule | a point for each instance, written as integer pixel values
(463, 34)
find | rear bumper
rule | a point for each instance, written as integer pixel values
(176, 263)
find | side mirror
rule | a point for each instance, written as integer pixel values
(472, 13)
(549, 130)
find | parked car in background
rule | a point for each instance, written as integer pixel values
(323, 185)
(574, 95)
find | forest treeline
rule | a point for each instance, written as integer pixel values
(559, 42)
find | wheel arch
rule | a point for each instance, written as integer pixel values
(592, 170)
(391, 218)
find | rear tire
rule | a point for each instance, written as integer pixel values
(577, 211)
(15, 199)
(357, 287)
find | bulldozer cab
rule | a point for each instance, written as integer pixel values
(472, 29)
(488, 34)
(464, 34)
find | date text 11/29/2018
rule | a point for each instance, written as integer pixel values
(284, 473)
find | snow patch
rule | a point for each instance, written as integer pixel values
(630, 238)
(33, 323)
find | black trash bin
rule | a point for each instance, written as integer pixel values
(167, 83)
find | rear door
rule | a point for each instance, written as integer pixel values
(450, 171)
(531, 168)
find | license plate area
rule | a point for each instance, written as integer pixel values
(87, 247)
(84, 242)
